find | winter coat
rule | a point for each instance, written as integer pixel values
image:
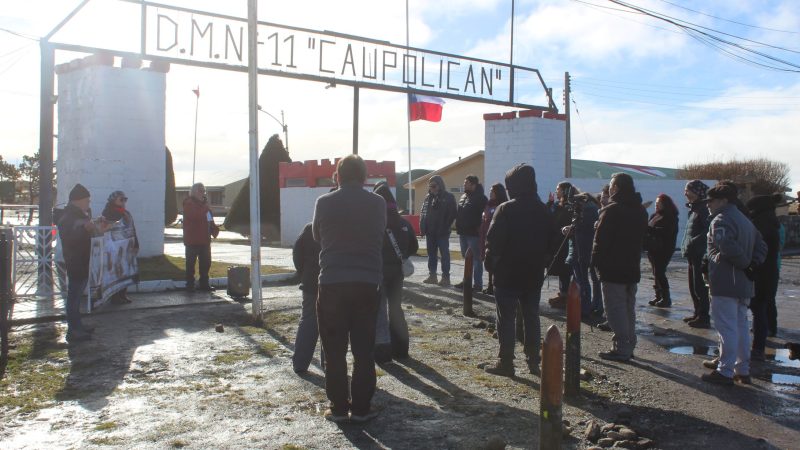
(349, 223)
(580, 245)
(563, 218)
(113, 213)
(767, 275)
(470, 209)
(486, 220)
(407, 243)
(198, 222)
(75, 240)
(734, 246)
(662, 234)
(694, 245)
(617, 248)
(305, 255)
(521, 238)
(438, 211)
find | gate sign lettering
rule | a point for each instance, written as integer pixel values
(324, 56)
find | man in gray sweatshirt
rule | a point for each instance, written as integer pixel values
(349, 224)
(735, 247)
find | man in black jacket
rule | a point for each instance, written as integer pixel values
(693, 249)
(520, 239)
(76, 229)
(766, 276)
(616, 254)
(435, 220)
(468, 223)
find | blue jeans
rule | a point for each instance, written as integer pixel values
(580, 270)
(507, 301)
(436, 245)
(477, 267)
(307, 335)
(75, 288)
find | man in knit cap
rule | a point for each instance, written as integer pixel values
(693, 249)
(76, 229)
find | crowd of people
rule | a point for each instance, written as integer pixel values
(352, 261)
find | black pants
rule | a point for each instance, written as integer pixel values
(698, 288)
(398, 327)
(766, 287)
(347, 313)
(659, 263)
(193, 253)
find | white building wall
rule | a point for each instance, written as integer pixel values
(111, 137)
(532, 140)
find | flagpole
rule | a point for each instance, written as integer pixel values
(196, 110)
(408, 123)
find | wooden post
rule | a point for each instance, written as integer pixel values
(551, 389)
(467, 283)
(572, 371)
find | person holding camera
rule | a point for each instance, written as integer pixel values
(735, 249)
(559, 266)
(580, 233)
(198, 228)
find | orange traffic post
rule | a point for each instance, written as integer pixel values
(467, 283)
(550, 433)
(572, 369)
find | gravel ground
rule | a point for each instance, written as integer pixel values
(164, 378)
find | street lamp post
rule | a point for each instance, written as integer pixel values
(283, 125)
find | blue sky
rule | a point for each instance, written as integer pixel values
(646, 92)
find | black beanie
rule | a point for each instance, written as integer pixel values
(78, 192)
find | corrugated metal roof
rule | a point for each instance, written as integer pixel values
(582, 168)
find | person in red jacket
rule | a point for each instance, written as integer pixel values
(198, 227)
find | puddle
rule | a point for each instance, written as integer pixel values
(781, 357)
(781, 378)
(695, 350)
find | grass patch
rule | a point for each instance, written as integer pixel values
(106, 440)
(165, 267)
(273, 319)
(178, 443)
(379, 372)
(232, 356)
(36, 373)
(268, 349)
(454, 254)
(106, 426)
(292, 447)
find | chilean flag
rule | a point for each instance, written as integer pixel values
(424, 107)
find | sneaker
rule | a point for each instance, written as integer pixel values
(742, 379)
(654, 301)
(533, 369)
(711, 363)
(333, 417)
(501, 369)
(431, 279)
(663, 303)
(604, 326)
(445, 281)
(613, 356)
(459, 285)
(362, 418)
(717, 378)
(690, 318)
(477, 288)
(700, 322)
(489, 291)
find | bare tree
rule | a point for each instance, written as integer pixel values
(764, 176)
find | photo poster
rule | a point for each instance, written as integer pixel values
(112, 263)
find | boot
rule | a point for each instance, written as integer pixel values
(503, 367)
(432, 279)
(700, 322)
(445, 281)
(559, 301)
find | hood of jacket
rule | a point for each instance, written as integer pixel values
(521, 181)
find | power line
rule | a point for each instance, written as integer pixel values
(688, 27)
(18, 34)
(624, 18)
(592, 84)
(728, 20)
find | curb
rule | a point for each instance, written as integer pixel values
(171, 285)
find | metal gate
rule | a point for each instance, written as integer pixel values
(37, 269)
